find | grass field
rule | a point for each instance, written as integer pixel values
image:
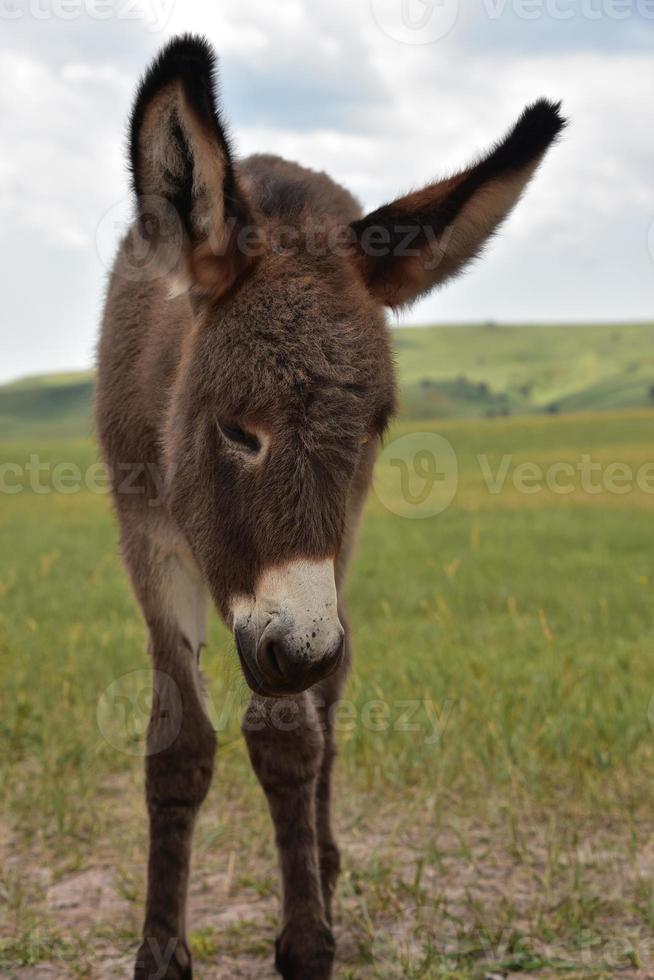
(495, 790)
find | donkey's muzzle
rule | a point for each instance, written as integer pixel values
(279, 664)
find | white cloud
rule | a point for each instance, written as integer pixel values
(64, 163)
(324, 85)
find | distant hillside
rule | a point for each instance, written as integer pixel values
(444, 372)
(495, 370)
(51, 406)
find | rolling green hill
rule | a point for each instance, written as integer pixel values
(51, 406)
(495, 370)
(445, 372)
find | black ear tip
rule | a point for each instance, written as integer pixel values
(544, 117)
(185, 49)
(188, 59)
(187, 44)
(538, 127)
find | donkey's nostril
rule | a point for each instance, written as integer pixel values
(284, 668)
(280, 665)
(271, 660)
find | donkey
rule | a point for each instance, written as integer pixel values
(245, 379)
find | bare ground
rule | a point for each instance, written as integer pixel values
(423, 894)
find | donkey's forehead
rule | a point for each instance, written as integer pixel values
(298, 301)
(292, 336)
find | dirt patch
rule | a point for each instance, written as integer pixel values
(418, 897)
(70, 899)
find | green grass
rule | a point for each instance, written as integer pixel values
(497, 733)
(512, 633)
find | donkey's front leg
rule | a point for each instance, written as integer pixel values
(327, 694)
(179, 764)
(285, 742)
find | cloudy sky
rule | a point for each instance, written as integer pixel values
(383, 94)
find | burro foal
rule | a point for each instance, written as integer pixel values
(245, 378)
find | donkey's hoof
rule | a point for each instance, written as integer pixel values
(305, 952)
(163, 961)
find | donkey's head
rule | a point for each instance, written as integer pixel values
(285, 382)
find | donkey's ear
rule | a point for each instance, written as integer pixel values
(419, 241)
(192, 212)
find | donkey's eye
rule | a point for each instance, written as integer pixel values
(237, 435)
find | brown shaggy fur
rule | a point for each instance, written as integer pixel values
(277, 329)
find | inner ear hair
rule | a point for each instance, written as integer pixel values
(182, 169)
(408, 247)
